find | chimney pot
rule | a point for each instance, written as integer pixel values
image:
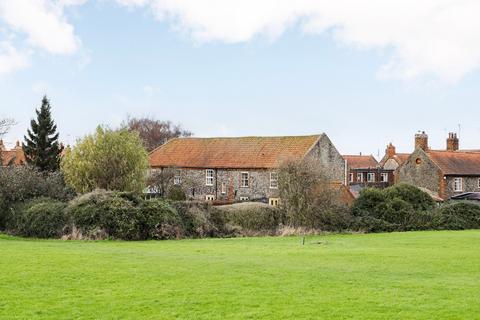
(421, 141)
(453, 143)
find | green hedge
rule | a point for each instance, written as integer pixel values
(39, 218)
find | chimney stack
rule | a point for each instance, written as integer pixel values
(421, 141)
(2, 146)
(452, 142)
(391, 151)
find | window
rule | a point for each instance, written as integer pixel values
(224, 188)
(371, 177)
(479, 183)
(359, 177)
(244, 180)
(384, 177)
(274, 202)
(351, 177)
(209, 177)
(176, 179)
(273, 180)
(244, 198)
(458, 184)
(210, 197)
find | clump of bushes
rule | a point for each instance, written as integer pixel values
(459, 216)
(398, 208)
(39, 218)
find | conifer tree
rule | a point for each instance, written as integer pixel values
(41, 146)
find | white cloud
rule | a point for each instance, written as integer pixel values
(11, 59)
(428, 37)
(133, 3)
(43, 22)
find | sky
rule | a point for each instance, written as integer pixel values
(365, 72)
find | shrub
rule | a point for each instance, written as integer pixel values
(18, 184)
(176, 193)
(197, 219)
(159, 220)
(401, 207)
(105, 212)
(123, 215)
(41, 218)
(248, 218)
(460, 215)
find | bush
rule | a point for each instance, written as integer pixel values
(252, 218)
(176, 193)
(200, 219)
(460, 216)
(398, 208)
(18, 184)
(122, 215)
(159, 220)
(40, 218)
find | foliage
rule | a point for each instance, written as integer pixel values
(460, 215)
(18, 184)
(42, 149)
(401, 207)
(124, 216)
(5, 125)
(176, 193)
(40, 218)
(111, 160)
(199, 219)
(252, 217)
(155, 132)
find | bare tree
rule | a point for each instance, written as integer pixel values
(154, 132)
(308, 196)
(5, 125)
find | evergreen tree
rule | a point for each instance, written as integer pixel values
(41, 147)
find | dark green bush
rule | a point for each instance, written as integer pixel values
(40, 218)
(200, 219)
(123, 215)
(459, 216)
(401, 207)
(176, 193)
(159, 220)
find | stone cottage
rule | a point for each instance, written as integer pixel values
(241, 169)
(444, 172)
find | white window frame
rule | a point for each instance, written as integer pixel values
(351, 177)
(359, 176)
(458, 184)
(209, 177)
(384, 177)
(224, 188)
(177, 178)
(242, 180)
(273, 180)
(478, 183)
(369, 175)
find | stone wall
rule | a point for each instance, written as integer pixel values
(329, 159)
(470, 184)
(420, 171)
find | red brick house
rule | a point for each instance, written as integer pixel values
(14, 156)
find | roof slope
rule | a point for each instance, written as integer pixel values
(361, 162)
(12, 157)
(235, 153)
(456, 162)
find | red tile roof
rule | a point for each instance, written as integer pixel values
(361, 162)
(456, 162)
(234, 153)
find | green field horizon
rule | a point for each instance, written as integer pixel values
(413, 275)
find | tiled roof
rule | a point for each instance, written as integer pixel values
(400, 158)
(456, 162)
(361, 162)
(235, 153)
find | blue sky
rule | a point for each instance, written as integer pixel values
(128, 61)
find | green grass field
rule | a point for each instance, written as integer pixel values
(421, 275)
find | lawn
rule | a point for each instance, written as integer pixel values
(421, 275)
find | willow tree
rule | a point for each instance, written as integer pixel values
(106, 159)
